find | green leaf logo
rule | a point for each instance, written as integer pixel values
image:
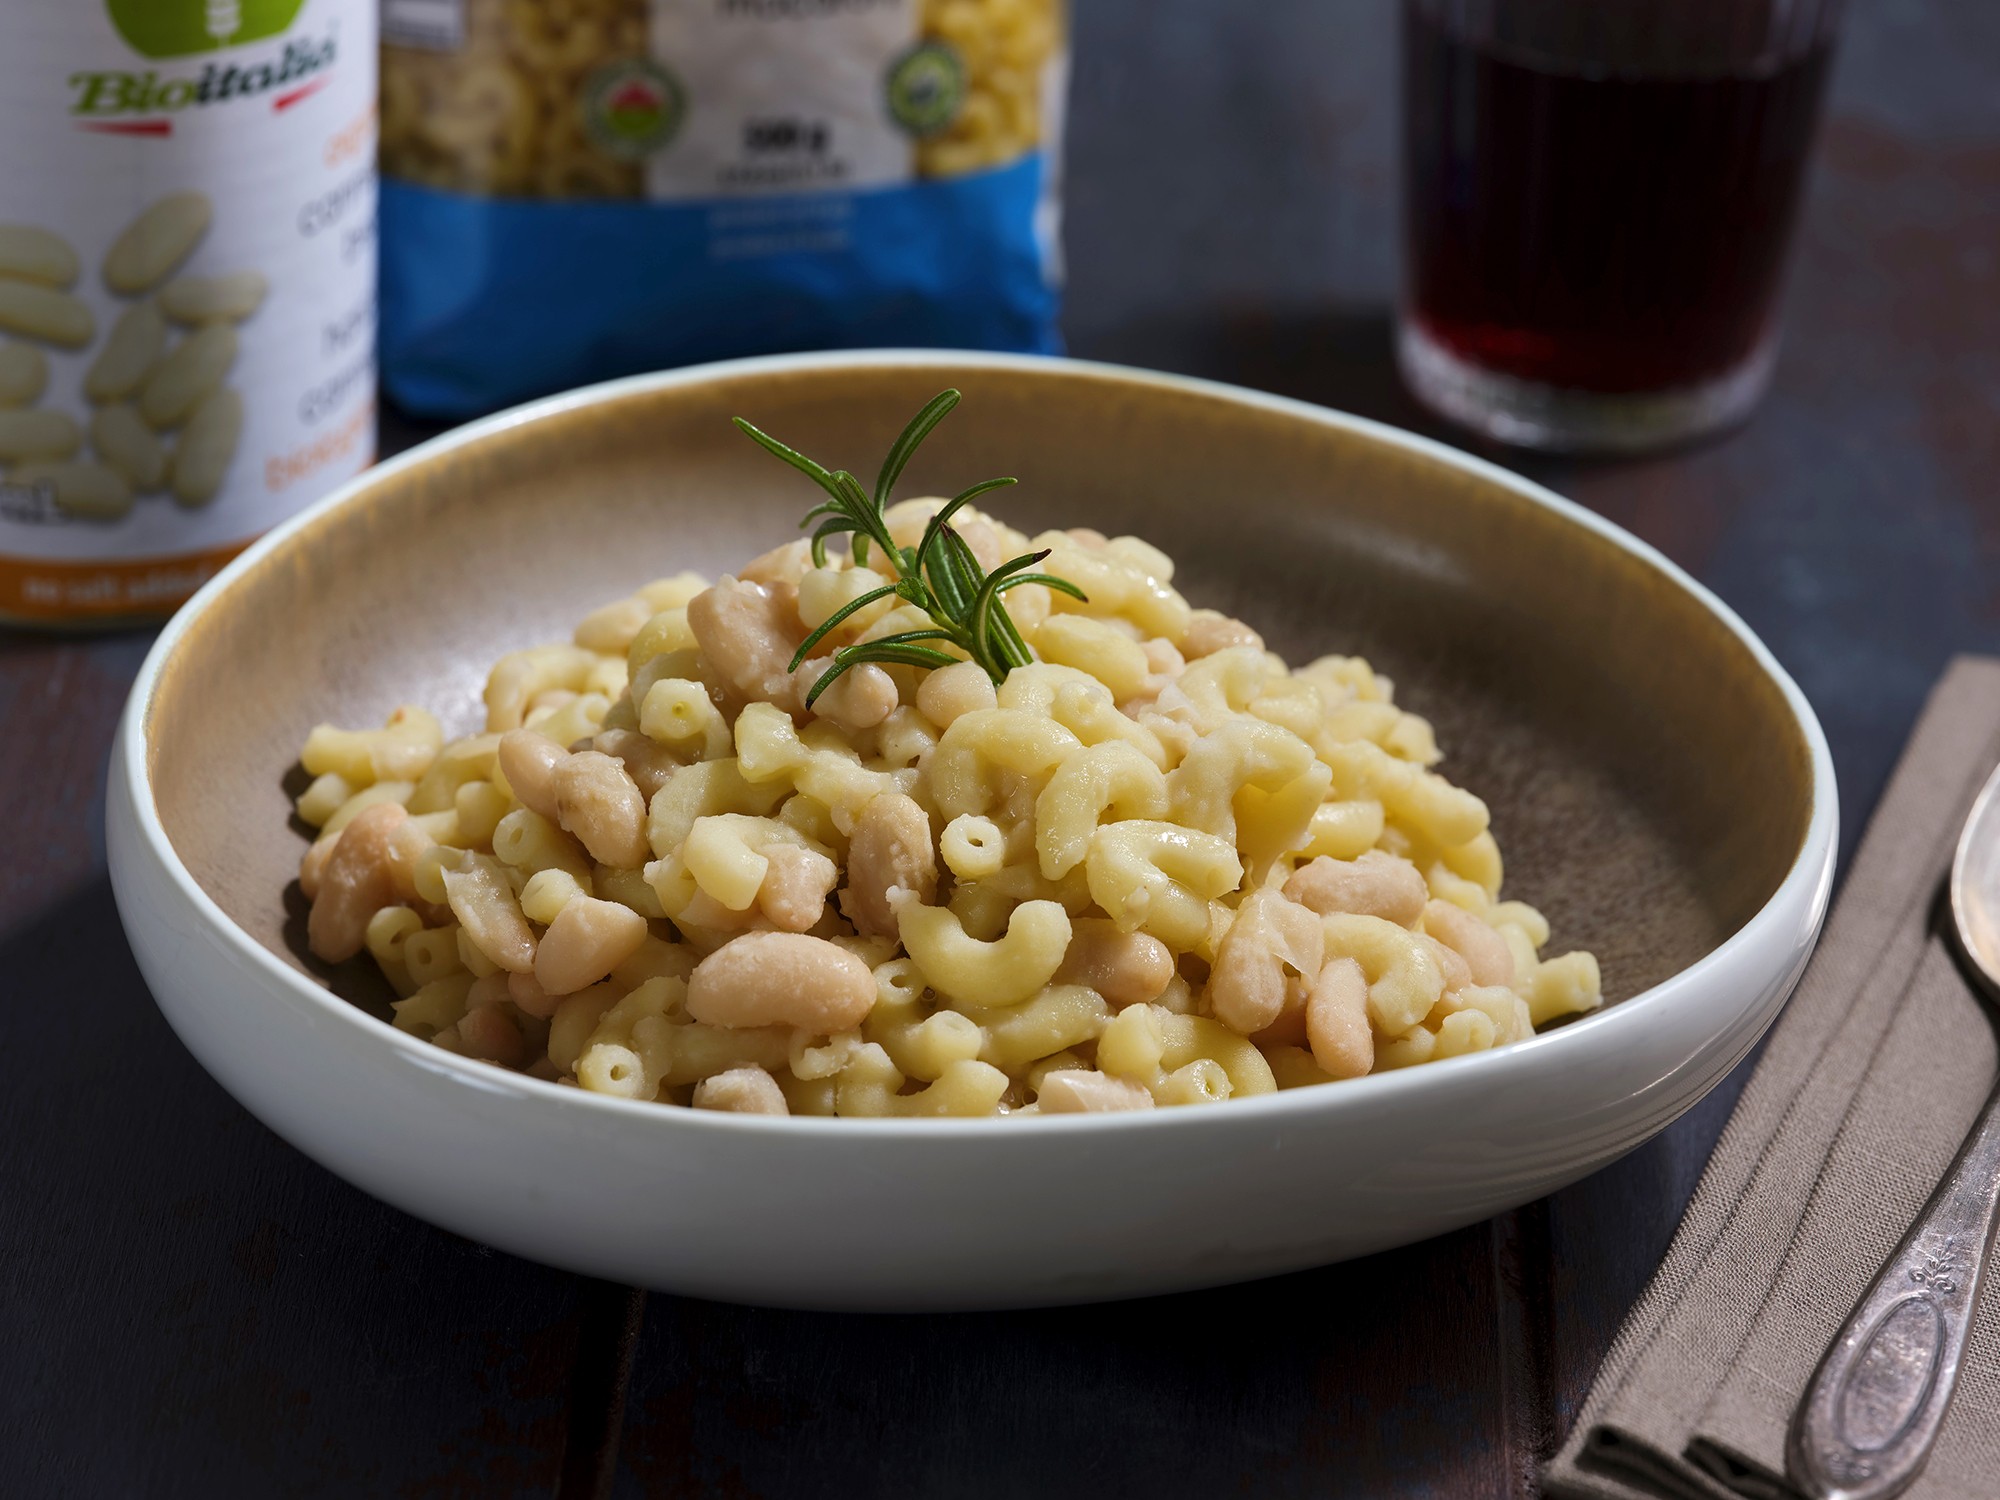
(176, 28)
(925, 88)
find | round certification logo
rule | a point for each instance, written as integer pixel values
(926, 87)
(633, 108)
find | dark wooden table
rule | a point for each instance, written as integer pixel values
(188, 1307)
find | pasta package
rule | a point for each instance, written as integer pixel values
(187, 288)
(581, 190)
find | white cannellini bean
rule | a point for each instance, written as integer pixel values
(357, 880)
(860, 698)
(948, 692)
(123, 440)
(1209, 631)
(195, 367)
(1337, 1020)
(24, 374)
(38, 434)
(528, 760)
(93, 490)
(528, 995)
(1485, 952)
(587, 940)
(133, 347)
(41, 312)
(1375, 885)
(781, 979)
(204, 299)
(312, 864)
(36, 255)
(202, 458)
(492, 1035)
(795, 886)
(743, 1091)
(1247, 983)
(600, 804)
(1126, 968)
(1075, 1091)
(889, 857)
(1451, 963)
(649, 765)
(748, 632)
(153, 244)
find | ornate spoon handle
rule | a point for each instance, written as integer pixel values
(1874, 1406)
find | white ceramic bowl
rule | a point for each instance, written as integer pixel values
(964, 1214)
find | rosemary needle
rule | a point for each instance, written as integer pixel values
(939, 575)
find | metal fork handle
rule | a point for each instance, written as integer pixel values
(1872, 1411)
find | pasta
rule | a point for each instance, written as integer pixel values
(1004, 48)
(1152, 867)
(504, 114)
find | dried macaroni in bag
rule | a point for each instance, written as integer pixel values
(579, 190)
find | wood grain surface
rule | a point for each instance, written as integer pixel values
(188, 1307)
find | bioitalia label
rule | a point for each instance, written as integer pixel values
(187, 288)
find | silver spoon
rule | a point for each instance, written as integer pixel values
(1871, 1413)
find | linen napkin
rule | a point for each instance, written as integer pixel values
(1872, 1076)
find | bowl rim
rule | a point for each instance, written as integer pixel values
(1807, 880)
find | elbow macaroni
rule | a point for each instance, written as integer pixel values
(1155, 875)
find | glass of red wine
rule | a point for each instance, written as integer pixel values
(1598, 200)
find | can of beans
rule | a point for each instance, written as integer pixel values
(187, 288)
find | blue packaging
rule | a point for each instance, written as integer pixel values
(576, 192)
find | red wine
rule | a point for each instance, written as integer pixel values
(1599, 230)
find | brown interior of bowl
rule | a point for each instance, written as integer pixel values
(1649, 785)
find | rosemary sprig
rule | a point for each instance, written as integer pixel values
(939, 575)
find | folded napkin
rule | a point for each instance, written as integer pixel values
(1872, 1076)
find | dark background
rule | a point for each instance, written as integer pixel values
(188, 1307)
